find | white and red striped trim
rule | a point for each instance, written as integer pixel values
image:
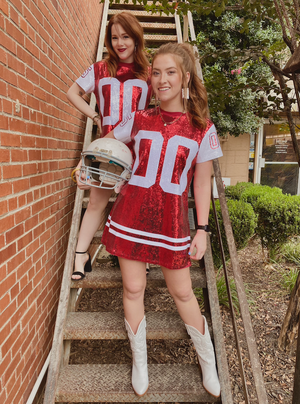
(143, 237)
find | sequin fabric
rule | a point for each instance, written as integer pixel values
(117, 96)
(149, 220)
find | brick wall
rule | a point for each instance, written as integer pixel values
(46, 45)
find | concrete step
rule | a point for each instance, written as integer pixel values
(112, 383)
(110, 277)
(109, 325)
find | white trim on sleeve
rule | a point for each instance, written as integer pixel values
(210, 148)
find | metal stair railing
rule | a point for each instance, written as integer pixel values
(237, 275)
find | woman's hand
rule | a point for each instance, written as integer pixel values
(82, 176)
(198, 243)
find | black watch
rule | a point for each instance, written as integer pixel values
(205, 228)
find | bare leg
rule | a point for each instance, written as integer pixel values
(134, 284)
(90, 223)
(180, 287)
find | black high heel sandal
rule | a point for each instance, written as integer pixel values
(87, 267)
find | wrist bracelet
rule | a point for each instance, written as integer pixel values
(201, 227)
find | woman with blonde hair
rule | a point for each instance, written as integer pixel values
(149, 221)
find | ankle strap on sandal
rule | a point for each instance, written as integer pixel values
(80, 252)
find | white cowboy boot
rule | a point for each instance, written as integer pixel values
(206, 358)
(139, 379)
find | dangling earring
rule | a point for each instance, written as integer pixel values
(185, 93)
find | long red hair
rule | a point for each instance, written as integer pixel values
(132, 27)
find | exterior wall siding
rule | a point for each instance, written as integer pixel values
(235, 161)
(46, 45)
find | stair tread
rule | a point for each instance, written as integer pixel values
(112, 383)
(142, 13)
(110, 277)
(110, 325)
(155, 37)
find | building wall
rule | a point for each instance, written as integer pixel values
(46, 45)
(234, 163)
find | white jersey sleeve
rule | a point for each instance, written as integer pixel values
(87, 80)
(122, 131)
(210, 148)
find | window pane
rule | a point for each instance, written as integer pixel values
(284, 176)
(277, 145)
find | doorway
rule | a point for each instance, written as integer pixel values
(276, 163)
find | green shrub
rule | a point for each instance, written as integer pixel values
(278, 219)
(243, 222)
(236, 191)
(252, 194)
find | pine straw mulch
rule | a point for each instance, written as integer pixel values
(268, 303)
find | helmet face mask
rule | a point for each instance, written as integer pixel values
(106, 164)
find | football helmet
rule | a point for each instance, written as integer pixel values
(106, 164)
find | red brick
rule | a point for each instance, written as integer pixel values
(24, 293)
(14, 16)
(20, 185)
(14, 291)
(12, 171)
(32, 48)
(4, 6)
(5, 360)
(12, 204)
(23, 24)
(14, 32)
(2, 244)
(5, 224)
(11, 140)
(25, 56)
(25, 85)
(14, 233)
(8, 42)
(22, 215)
(11, 340)
(3, 207)
(15, 261)
(18, 155)
(18, 314)
(24, 268)
(7, 106)
(17, 125)
(4, 302)
(16, 94)
(32, 76)
(30, 169)
(15, 64)
(10, 76)
(5, 189)
(7, 314)
(28, 141)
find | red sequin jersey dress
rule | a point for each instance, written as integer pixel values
(117, 97)
(149, 220)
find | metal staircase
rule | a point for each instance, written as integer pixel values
(112, 382)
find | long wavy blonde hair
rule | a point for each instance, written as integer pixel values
(132, 27)
(197, 104)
